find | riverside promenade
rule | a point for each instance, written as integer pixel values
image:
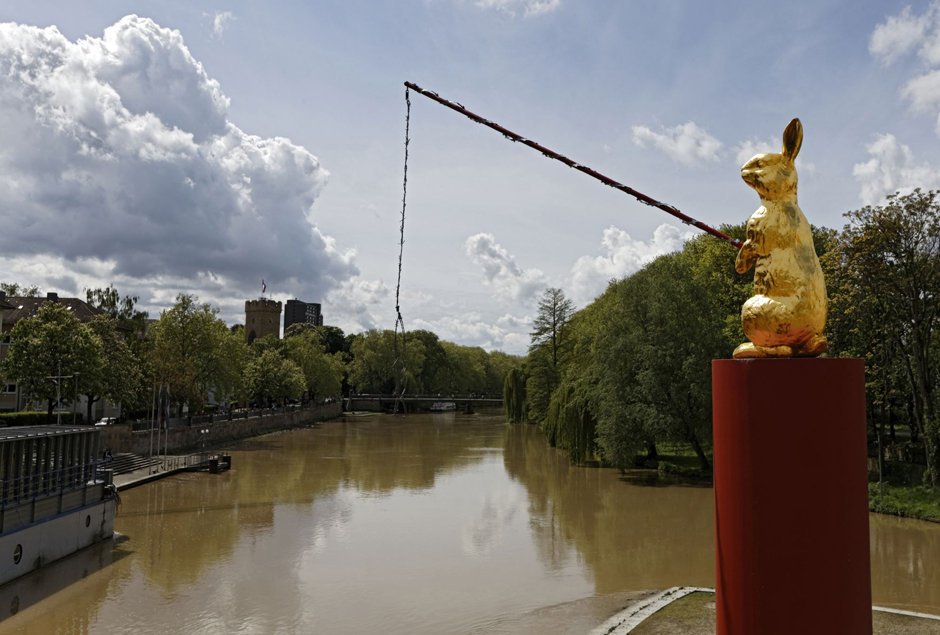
(136, 438)
(122, 438)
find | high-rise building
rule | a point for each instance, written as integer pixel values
(297, 312)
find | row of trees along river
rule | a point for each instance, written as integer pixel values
(121, 356)
(629, 374)
(622, 378)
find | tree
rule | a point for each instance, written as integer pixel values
(117, 376)
(435, 360)
(323, 373)
(547, 351)
(14, 290)
(333, 340)
(109, 301)
(132, 327)
(372, 369)
(892, 255)
(514, 397)
(194, 352)
(551, 323)
(270, 377)
(53, 343)
(498, 368)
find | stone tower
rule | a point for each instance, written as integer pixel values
(262, 317)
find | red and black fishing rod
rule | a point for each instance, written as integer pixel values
(551, 154)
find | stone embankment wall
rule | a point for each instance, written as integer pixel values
(121, 438)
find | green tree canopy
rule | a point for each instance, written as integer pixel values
(323, 372)
(268, 376)
(194, 352)
(53, 343)
(118, 376)
(372, 369)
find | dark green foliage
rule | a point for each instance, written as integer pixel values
(570, 424)
(11, 419)
(514, 396)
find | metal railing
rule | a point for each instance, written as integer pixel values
(241, 413)
(19, 490)
(182, 461)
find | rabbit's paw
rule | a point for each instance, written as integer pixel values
(750, 350)
(815, 347)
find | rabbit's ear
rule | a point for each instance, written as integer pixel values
(792, 139)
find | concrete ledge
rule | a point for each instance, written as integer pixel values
(129, 481)
(631, 617)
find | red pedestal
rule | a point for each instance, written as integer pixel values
(791, 497)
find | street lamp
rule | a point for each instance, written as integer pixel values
(75, 401)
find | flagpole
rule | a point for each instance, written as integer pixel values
(152, 406)
(166, 434)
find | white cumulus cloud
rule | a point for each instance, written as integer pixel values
(529, 8)
(353, 305)
(117, 156)
(686, 143)
(892, 168)
(471, 329)
(622, 256)
(512, 321)
(898, 35)
(501, 271)
(220, 22)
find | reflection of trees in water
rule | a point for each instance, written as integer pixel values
(630, 537)
(180, 527)
(904, 563)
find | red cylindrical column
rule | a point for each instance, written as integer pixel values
(791, 497)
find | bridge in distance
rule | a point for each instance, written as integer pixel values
(381, 403)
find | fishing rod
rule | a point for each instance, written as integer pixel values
(551, 154)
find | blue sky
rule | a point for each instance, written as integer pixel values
(666, 97)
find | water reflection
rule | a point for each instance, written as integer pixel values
(630, 537)
(905, 563)
(420, 525)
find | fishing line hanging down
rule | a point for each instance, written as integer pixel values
(400, 366)
(512, 136)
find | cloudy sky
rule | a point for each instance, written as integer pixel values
(185, 146)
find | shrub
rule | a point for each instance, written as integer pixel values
(11, 419)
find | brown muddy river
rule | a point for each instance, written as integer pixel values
(426, 525)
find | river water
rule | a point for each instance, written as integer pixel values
(429, 524)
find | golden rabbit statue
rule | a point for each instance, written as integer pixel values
(787, 314)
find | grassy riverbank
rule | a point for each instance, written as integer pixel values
(908, 501)
(895, 498)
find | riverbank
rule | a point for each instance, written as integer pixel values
(895, 498)
(123, 438)
(906, 501)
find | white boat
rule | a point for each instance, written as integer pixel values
(53, 499)
(443, 406)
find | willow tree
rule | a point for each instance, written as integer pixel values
(514, 396)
